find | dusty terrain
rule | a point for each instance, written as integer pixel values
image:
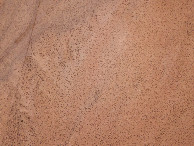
(96, 72)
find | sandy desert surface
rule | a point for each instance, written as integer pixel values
(96, 72)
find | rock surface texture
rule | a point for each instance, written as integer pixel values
(96, 72)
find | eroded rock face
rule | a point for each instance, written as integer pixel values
(96, 72)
